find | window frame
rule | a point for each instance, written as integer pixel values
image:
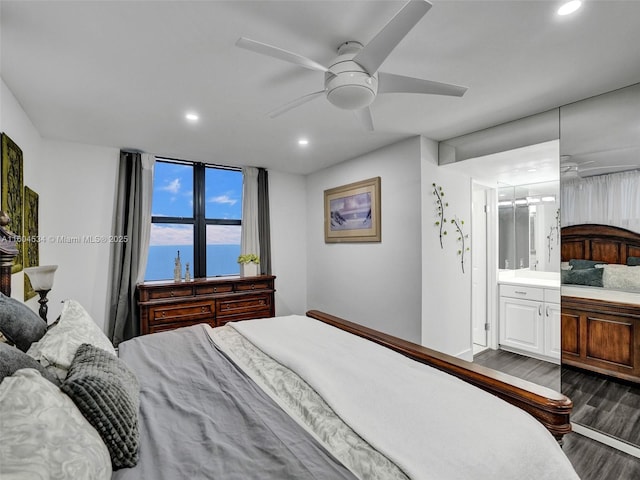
(198, 220)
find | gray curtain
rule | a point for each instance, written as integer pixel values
(131, 219)
(264, 222)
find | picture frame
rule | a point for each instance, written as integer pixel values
(352, 212)
(12, 192)
(31, 247)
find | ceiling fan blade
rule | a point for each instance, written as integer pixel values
(391, 83)
(294, 103)
(279, 53)
(364, 117)
(378, 49)
(608, 167)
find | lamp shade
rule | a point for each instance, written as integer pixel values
(41, 277)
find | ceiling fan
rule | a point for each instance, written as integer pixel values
(352, 81)
(572, 169)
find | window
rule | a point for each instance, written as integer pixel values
(197, 211)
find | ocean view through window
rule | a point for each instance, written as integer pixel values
(196, 211)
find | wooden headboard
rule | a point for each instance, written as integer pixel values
(599, 242)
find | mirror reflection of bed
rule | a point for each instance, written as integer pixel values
(600, 196)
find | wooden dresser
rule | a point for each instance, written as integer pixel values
(165, 305)
(601, 336)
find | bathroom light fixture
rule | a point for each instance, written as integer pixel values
(192, 117)
(569, 7)
(42, 281)
(303, 142)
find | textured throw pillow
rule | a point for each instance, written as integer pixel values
(44, 436)
(577, 264)
(19, 324)
(58, 346)
(621, 277)
(107, 392)
(633, 261)
(591, 277)
(12, 360)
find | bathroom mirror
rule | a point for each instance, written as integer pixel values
(600, 185)
(528, 225)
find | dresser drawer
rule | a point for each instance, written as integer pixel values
(257, 285)
(176, 291)
(524, 292)
(194, 312)
(165, 327)
(242, 308)
(213, 288)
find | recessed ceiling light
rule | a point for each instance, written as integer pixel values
(569, 7)
(303, 142)
(192, 117)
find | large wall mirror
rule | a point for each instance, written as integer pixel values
(600, 198)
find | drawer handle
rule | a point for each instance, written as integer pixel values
(203, 309)
(164, 313)
(547, 311)
(253, 286)
(261, 302)
(520, 293)
(215, 289)
(172, 293)
(540, 310)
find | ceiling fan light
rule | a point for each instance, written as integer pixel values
(351, 97)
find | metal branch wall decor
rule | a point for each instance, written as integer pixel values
(461, 239)
(440, 206)
(438, 192)
(12, 190)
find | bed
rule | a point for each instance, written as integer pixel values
(294, 397)
(601, 300)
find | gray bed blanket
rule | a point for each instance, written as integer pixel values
(201, 417)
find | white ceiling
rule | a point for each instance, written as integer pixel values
(123, 73)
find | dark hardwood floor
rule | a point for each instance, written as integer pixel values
(605, 404)
(608, 405)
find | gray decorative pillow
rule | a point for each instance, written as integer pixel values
(19, 324)
(633, 261)
(591, 277)
(579, 264)
(12, 360)
(107, 392)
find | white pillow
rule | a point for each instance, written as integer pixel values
(44, 435)
(56, 349)
(621, 277)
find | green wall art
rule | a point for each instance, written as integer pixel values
(31, 246)
(12, 191)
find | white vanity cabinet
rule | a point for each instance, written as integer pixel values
(530, 321)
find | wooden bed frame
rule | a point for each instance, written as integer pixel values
(599, 242)
(602, 336)
(549, 407)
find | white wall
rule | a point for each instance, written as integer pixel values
(78, 202)
(375, 284)
(288, 210)
(76, 187)
(446, 290)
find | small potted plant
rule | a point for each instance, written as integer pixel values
(249, 265)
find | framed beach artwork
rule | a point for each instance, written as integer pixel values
(12, 190)
(352, 212)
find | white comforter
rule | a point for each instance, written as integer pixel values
(431, 424)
